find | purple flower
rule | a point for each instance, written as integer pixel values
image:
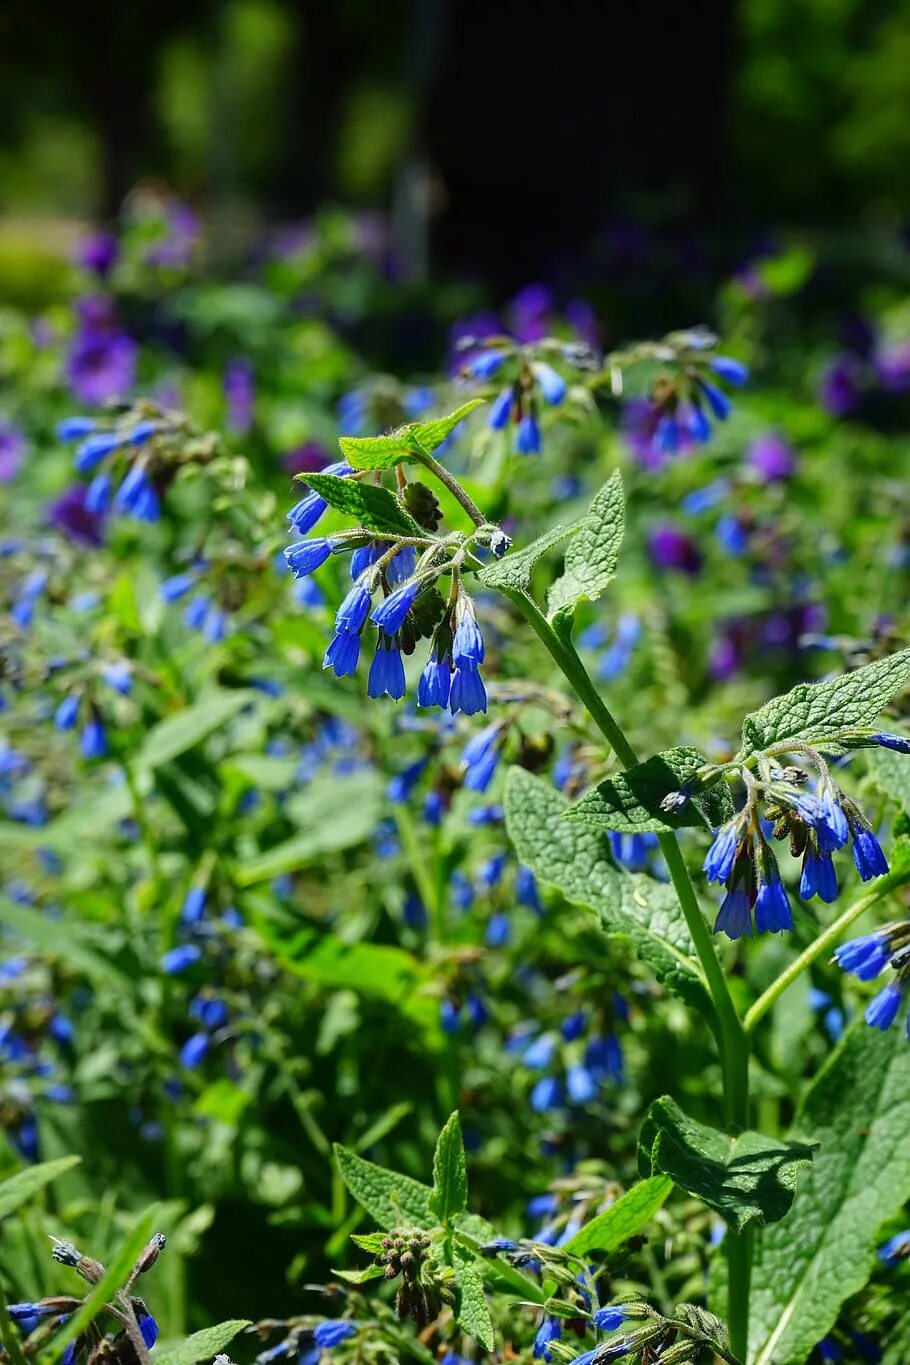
(13, 446)
(674, 550)
(771, 458)
(71, 515)
(839, 386)
(239, 393)
(97, 253)
(101, 361)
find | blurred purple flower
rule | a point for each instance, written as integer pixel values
(13, 446)
(69, 515)
(182, 233)
(892, 367)
(240, 393)
(530, 310)
(101, 361)
(839, 386)
(306, 459)
(97, 253)
(771, 457)
(673, 549)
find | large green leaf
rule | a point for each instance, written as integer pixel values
(472, 1311)
(593, 554)
(858, 1112)
(371, 506)
(450, 1178)
(573, 857)
(393, 1200)
(201, 1345)
(335, 813)
(382, 452)
(513, 573)
(19, 1188)
(631, 802)
(815, 712)
(185, 729)
(746, 1179)
(608, 1230)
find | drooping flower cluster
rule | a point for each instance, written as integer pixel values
(530, 381)
(816, 824)
(870, 955)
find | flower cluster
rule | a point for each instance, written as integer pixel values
(530, 379)
(816, 824)
(870, 955)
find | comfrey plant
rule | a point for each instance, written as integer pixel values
(778, 819)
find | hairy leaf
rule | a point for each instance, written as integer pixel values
(746, 1179)
(630, 803)
(608, 1230)
(202, 1345)
(513, 573)
(382, 452)
(473, 1311)
(573, 857)
(393, 1200)
(858, 1111)
(815, 712)
(371, 506)
(450, 1179)
(593, 554)
(20, 1187)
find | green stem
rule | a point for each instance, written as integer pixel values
(425, 882)
(732, 1039)
(825, 940)
(454, 487)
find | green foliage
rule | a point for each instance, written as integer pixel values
(203, 1345)
(573, 857)
(450, 1180)
(856, 1114)
(608, 1230)
(473, 1312)
(746, 1179)
(812, 713)
(631, 802)
(513, 572)
(593, 554)
(393, 1200)
(369, 505)
(418, 438)
(22, 1186)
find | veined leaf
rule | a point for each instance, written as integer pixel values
(393, 1200)
(450, 1179)
(201, 1345)
(383, 452)
(858, 1112)
(608, 1230)
(815, 712)
(370, 505)
(513, 573)
(631, 802)
(746, 1179)
(573, 857)
(19, 1188)
(593, 554)
(473, 1312)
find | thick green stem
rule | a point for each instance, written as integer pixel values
(825, 940)
(732, 1039)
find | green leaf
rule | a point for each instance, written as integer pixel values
(114, 1277)
(593, 553)
(891, 773)
(747, 1179)
(513, 573)
(473, 1312)
(393, 1200)
(62, 938)
(202, 1345)
(20, 1187)
(815, 712)
(858, 1111)
(630, 803)
(176, 734)
(573, 857)
(371, 506)
(382, 452)
(335, 814)
(450, 1178)
(608, 1230)
(368, 1241)
(370, 1272)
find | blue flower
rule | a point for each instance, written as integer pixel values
(26, 1316)
(500, 410)
(467, 693)
(343, 654)
(818, 877)
(485, 365)
(864, 957)
(467, 644)
(897, 1248)
(735, 915)
(177, 959)
(699, 427)
(93, 740)
(386, 671)
(193, 909)
(305, 514)
(610, 1318)
(211, 1012)
(499, 930)
(98, 494)
(833, 829)
(581, 1086)
(549, 1330)
(772, 908)
(574, 1026)
(67, 712)
(882, 1010)
(449, 1017)
(868, 854)
(435, 682)
(480, 757)
(177, 586)
(194, 1050)
(119, 676)
(391, 612)
(729, 370)
(899, 743)
(552, 384)
(721, 855)
(717, 400)
(148, 1328)
(666, 436)
(308, 555)
(74, 428)
(94, 450)
(547, 1094)
(141, 432)
(402, 565)
(364, 556)
(527, 438)
(329, 1334)
(403, 783)
(352, 613)
(526, 892)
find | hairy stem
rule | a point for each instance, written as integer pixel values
(732, 1039)
(827, 939)
(454, 487)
